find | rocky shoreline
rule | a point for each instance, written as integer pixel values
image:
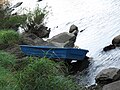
(65, 39)
(107, 79)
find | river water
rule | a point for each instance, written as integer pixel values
(100, 20)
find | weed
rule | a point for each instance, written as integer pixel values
(9, 37)
(7, 80)
(9, 20)
(7, 60)
(44, 74)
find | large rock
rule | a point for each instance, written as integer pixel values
(116, 41)
(43, 32)
(108, 75)
(64, 39)
(112, 86)
(73, 29)
(39, 30)
(32, 39)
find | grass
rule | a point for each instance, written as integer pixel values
(9, 37)
(44, 74)
(7, 60)
(7, 80)
(37, 74)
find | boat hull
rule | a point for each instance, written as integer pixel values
(54, 52)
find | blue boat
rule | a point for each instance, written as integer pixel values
(54, 52)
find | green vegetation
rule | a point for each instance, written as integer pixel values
(37, 16)
(7, 60)
(7, 80)
(31, 19)
(9, 37)
(35, 20)
(43, 74)
(9, 20)
(34, 73)
(12, 22)
(38, 74)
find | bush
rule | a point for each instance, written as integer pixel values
(7, 80)
(9, 37)
(7, 61)
(9, 20)
(29, 21)
(12, 22)
(43, 74)
(37, 16)
(34, 23)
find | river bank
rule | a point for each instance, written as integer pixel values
(100, 19)
(30, 72)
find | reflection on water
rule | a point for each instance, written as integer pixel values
(99, 18)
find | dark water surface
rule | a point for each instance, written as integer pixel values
(101, 21)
